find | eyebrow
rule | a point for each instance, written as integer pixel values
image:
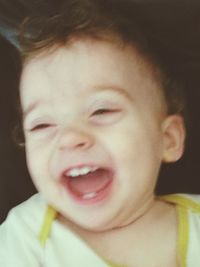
(113, 88)
(30, 108)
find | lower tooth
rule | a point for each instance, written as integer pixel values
(89, 195)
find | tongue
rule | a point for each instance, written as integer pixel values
(91, 182)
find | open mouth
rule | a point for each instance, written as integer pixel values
(88, 184)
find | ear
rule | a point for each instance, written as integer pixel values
(173, 138)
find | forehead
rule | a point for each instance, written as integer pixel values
(81, 52)
(84, 65)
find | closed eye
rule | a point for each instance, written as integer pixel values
(41, 126)
(103, 111)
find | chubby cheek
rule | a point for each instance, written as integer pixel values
(37, 158)
(137, 151)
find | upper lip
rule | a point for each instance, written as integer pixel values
(85, 165)
(84, 170)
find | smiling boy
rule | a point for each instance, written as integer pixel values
(98, 123)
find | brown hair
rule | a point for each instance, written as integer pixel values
(57, 24)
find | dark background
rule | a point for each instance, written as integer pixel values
(175, 27)
(15, 185)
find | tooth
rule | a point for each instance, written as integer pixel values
(82, 171)
(74, 172)
(85, 170)
(94, 169)
(89, 195)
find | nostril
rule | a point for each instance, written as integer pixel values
(83, 144)
(75, 140)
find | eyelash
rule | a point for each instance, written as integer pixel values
(103, 111)
(40, 127)
(98, 112)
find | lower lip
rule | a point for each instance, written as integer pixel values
(100, 197)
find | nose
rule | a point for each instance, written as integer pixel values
(74, 139)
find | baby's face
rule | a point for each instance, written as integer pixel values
(93, 116)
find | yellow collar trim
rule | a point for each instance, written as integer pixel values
(183, 236)
(49, 217)
(182, 201)
(182, 204)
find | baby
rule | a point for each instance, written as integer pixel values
(100, 116)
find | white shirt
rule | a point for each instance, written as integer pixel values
(20, 246)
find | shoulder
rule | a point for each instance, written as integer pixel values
(29, 213)
(190, 202)
(188, 206)
(34, 206)
(192, 197)
(18, 233)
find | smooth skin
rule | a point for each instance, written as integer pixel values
(96, 102)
